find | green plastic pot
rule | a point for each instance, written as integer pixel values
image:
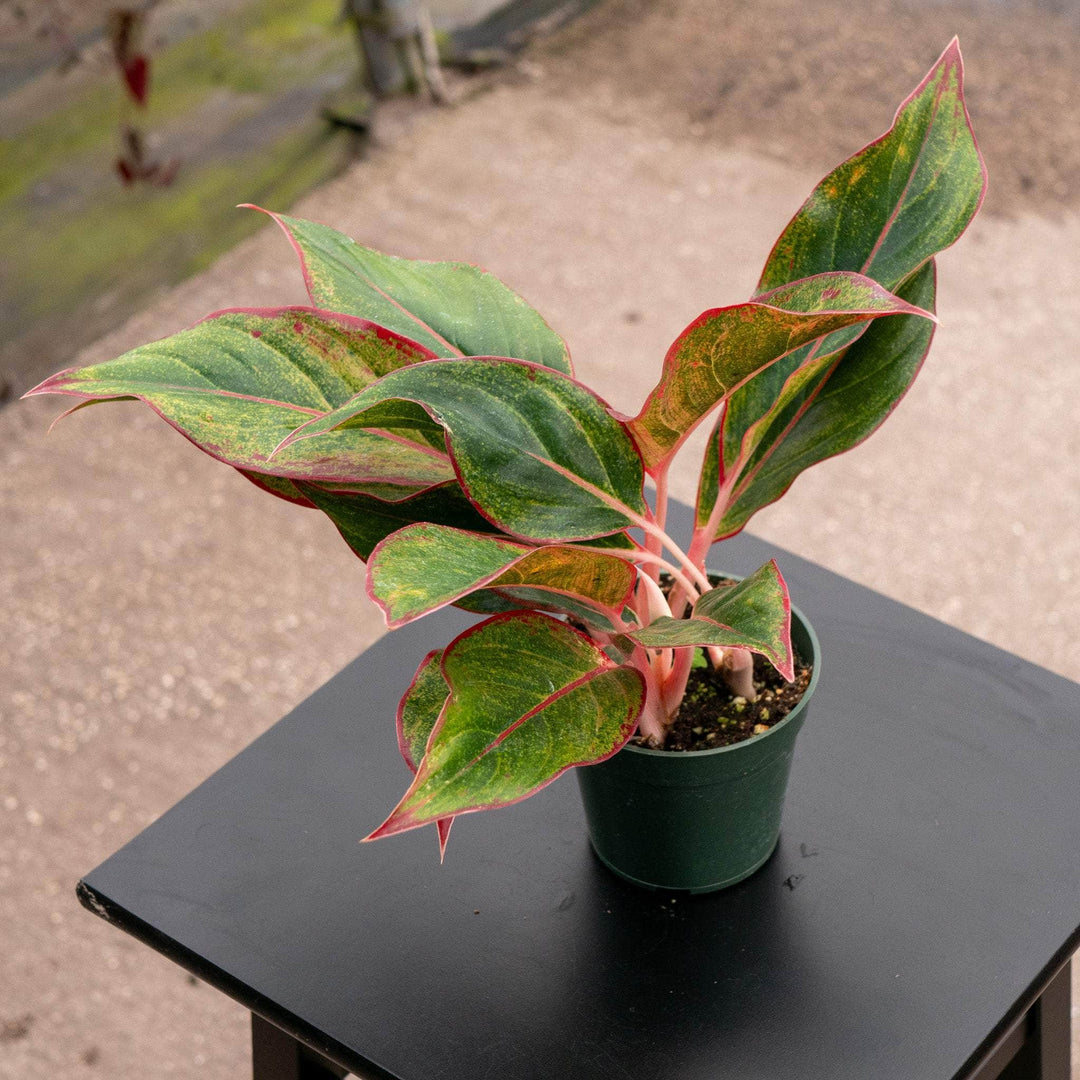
(696, 820)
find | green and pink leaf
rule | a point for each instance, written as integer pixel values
(754, 614)
(593, 588)
(900, 200)
(724, 348)
(451, 308)
(424, 567)
(238, 382)
(771, 433)
(540, 455)
(885, 213)
(418, 713)
(529, 699)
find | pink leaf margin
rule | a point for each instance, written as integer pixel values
(620, 419)
(56, 384)
(398, 822)
(395, 624)
(442, 824)
(950, 59)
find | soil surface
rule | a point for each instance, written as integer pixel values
(711, 716)
(159, 612)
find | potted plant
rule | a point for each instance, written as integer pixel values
(436, 419)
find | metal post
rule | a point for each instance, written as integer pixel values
(276, 1055)
(397, 41)
(383, 70)
(1039, 1047)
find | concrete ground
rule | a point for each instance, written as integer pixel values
(159, 612)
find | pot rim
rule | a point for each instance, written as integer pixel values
(696, 755)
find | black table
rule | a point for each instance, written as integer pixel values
(916, 922)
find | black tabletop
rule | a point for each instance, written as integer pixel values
(926, 883)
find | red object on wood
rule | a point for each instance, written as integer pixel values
(137, 77)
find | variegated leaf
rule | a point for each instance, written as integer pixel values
(529, 698)
(451, 308)
(239, 381)
(755, 614)
(417, 715)
(723, 348)
(539, 454)
(589, 590)
(424, 567)
(773, 431)
(884, 213)
(899, 201)
(418, 711)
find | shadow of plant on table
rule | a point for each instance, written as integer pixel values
(436, 419)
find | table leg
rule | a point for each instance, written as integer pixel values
(276, 1055)
(1040, 1046)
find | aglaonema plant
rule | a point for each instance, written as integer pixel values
(436, 419)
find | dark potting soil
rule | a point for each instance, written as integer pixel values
(711, 716)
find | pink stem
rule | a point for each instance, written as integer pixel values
(661, 660)
(738, 671)
(706, 534)
(653, 531)
(653, 543)
(652, 723)
(675, 687)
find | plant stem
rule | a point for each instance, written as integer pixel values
(704, 535)
(675, 686)
(652, 529)
(661, 659)
(658, 605)
(652, 723)
(653, 543)
(738, 671)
